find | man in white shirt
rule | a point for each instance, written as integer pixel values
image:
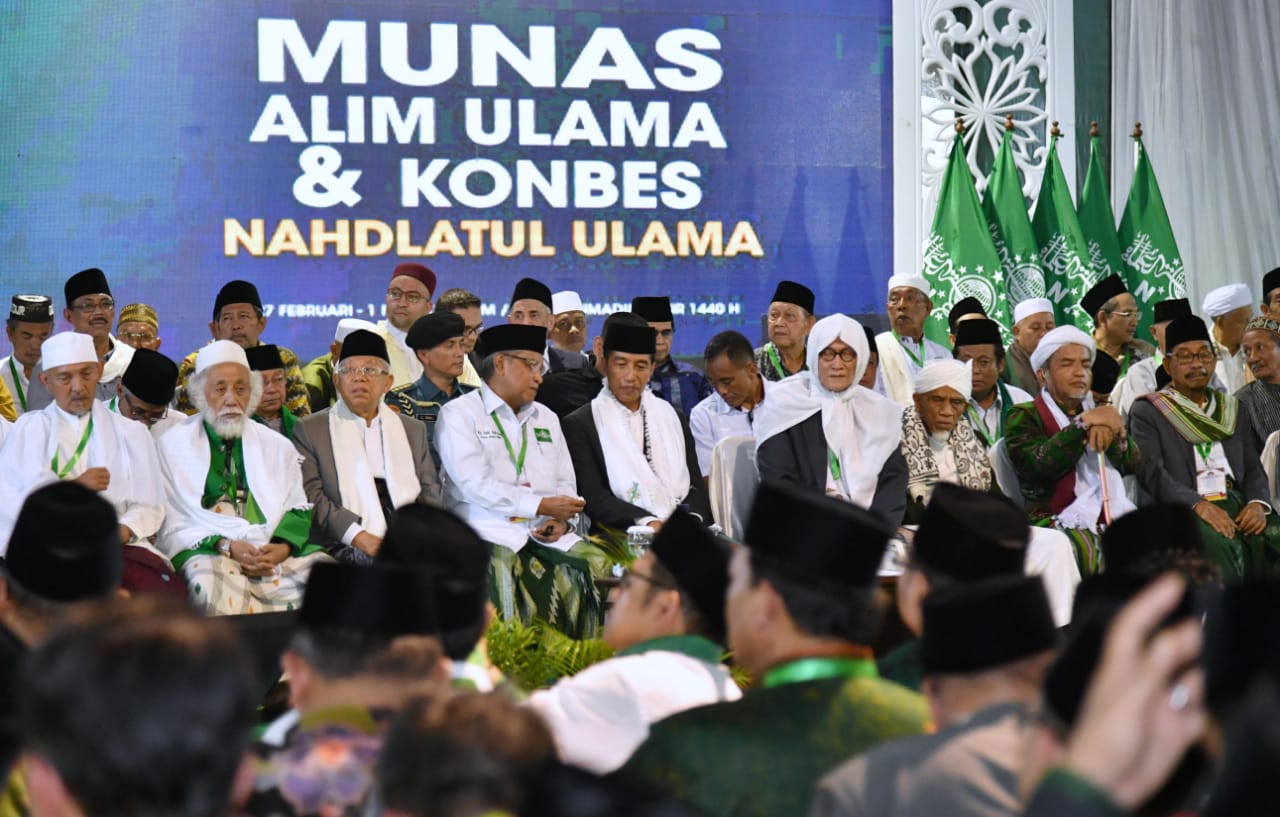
(78, 438)
(1228, 308)
(666, 620)
(361, 458)
(729, 410)
(904, 349)
(978, 343)
(145, 391)
(30, 324)
(408, 298)
(508, 473)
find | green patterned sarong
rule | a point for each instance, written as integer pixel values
(1243, 556)
(542, 582)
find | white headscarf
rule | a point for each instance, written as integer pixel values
(1055, 339)
(914, 281)
(1227, 298)
(939, 373)
(1032, 306)
(861, 427)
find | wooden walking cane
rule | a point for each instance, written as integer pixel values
(1106, 495)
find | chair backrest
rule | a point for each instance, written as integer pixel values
(733, 482)
(1006, 477)
(1269, 451)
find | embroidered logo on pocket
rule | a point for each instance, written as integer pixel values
(542, 435)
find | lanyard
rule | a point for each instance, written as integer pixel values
(918, 358)
(817, 669)
(517, 461)
(112, 405)
(833, 463)
(980, 427)
(777, 361)
(1124, 367)
(61, 471)
(17, 384)
(1205, 449)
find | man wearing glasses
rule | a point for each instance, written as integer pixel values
(978, 342)
(408, 298)
(139, 327)
(361, 459)
(680, 384)
(90, 311)
(790, 318)
(467, 306)
(904, 350)
(1115, 320)
(1197, 452)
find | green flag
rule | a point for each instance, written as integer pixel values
(1097, 219)
(1153, 266)
(959, 258)
(1006, 212)
(1064, 252)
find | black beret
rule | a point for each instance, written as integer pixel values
(65, 544)
(975, 627)
(236, 292)
(1101, 292)
(789, 292)
(699, 563)
(361, 343)
(430, 331)
(264, 357)
(532, 289)
(966, 535)
(92, 281)
(653, 308)
(151, 377)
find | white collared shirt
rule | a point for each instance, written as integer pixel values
(480, 480)
(711, 421)
(991, 415)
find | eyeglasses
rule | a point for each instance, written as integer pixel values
(473, 331)
(138, 337)
(828, 355)
(1128, 313)
(629, 576)
(534, 365)
(106, 305)
(411, 298)
(363, 371)
(1187, 358)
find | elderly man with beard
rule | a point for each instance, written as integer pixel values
(238, 519)
(1261, 398)
(1228, 309)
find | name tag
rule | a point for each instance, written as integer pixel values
(542, 435)
(488, 434)
(1211, 484)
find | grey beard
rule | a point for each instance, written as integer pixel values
(227, 428)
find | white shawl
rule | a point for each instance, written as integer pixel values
(1082, 514)
(273, 472)
(657, 489)
(894, 370)
(121, 355)
(861, 427)
(355, 478)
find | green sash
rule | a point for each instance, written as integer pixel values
(818, 669)
(1214, 424)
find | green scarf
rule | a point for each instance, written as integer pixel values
(1212, 424)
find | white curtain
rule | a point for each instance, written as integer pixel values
(1204, 80)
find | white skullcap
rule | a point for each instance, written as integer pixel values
(913, 281)
(1032, 306)
(66, 349)
(938, 373)
(565, 301)
(348, 325)
(1222, 300)
(1055, 339)
(220, 351)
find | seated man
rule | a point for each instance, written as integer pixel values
(78, 438)
(1102, 380)
(360, 459)
(318, 374)
(237, 517)
(738, 391)
(799, 611)
(789, 320)
(146, 389)
(978, 341)
(1141, 377)
(666, 620)
(366, 644)
(1229, 309)
(1031, 320)
(965, 309)
(680, 384)
(565, 392)
(436, 340)
(1261, 398)
(467, 306)
(939, 446)
(1197, 453)
(987, 647)
(904, 349)
(632, 452)
(531, 306)
(139, 327)
(1115, 315)
(507, 472)
(272, 412)
(238, 317)
(826, 434)
(1054, 444)
(29, 325)
(408, 297)
(568, 321)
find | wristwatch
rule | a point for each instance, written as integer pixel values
(224, 546)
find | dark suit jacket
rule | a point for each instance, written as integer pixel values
(1168, 473)
(593, 476)
(567, 391)
(329, 520)
(561, 360)
(798, 456)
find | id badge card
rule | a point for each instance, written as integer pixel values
(1211, 484)
(521, 520)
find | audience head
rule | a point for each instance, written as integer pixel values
(1261, 345)
(90, 308)
(1165, 311)
(978, 340)
(147, 386)
(511, 361)
(409, 294)
(656, 310)
(437, 341)
(966, 309)
(530, 304)
(730, 365)
(266, 361)
(1103, 375)
(71, 371)
(568, 321)
(837, 353)
(909, 305)
(620, 318)
(139, 327)
(790, 316)
(942, 390)
(1242, 645)
(363, 374)
(868, 379)
(1229, 308)
(223, 388)
(467, 305)
(628, 361)
(237, 314)
(1189, 356)
(144, 709)
(1032, 319)
(1271, 294)
(29, 325)
(1165, 529)
(1114, 311)
(787, 593)
(1063, 362)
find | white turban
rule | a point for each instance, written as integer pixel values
(1032, 306)
(66, 349)
(913, 281)
(939, 373)
(1222, 300)
(1055, 339)
(565, 301)
(348, 325)
(220, 351)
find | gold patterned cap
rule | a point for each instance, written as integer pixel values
(1261, 322)
(140, 313)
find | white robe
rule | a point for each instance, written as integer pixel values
(897, 371)
(120, 445)
(405, 367)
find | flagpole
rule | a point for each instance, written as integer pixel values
(1136, 135)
